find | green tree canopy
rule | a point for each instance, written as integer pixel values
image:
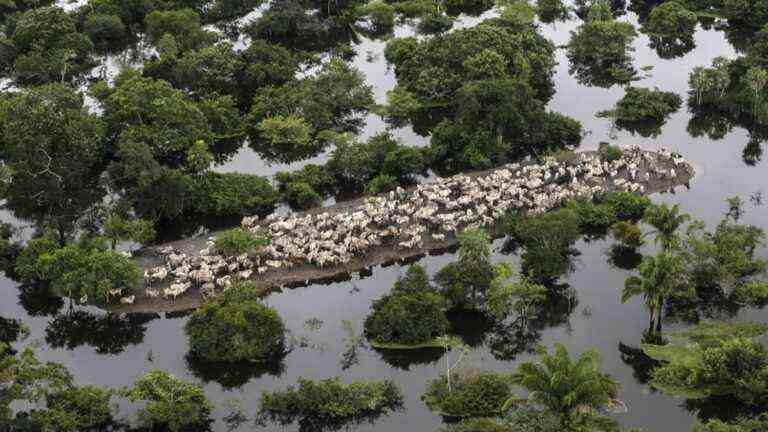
(236, 326)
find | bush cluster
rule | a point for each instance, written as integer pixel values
(330, 403)
(236, 326)
(471, 394)
(230, 194)
(238, 241)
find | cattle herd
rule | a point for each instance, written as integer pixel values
(404, 220)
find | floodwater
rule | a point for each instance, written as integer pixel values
(597, 318)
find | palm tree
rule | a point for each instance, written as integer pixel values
(666, 220)
(572, 389)
(662, 277)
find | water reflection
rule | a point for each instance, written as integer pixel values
(234, 375)
(107, 333)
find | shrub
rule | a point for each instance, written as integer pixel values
(87, 270)
(435, 23)
(238, 241)
(236, 326)
(551, 10)
(407, 318)
(642, 104)
(628, 234)
(592, 217)
(547, 240)
(26, 263)
(627, 205)
(609, 153)
(170, 403)
(381, 183)
(329, 404)
(471, 394)
(301, 196)
(230, 194)
(76, 409)
(466, 281)
(316, 176)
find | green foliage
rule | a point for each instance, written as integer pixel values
(381, 16)
(46, 48)
(736, 366)
(662, 278)
(27, 268)
(671, 28)
(318, 177)
(469, 394)
(666, 221)
(182, 26)
(547, 241)
(118, 228)
(571, 389)
(301, 196)
(412, 314)
(236, 326)
(627, 206)
(465, 282)
(600, 52)
(229, 194)
(87, 270)
(434, 70)
(434, 23)
(725, 261)
(627, 234)
(592, 217)
(644, 110)
(238, 241)
(741, 425)
(304, 111)
(552, 10)
(53, 148)
(355, 165)
(609, 153)
(381, 183)
(170, 402)
(329, 404)
(514, 294)
(75, 409)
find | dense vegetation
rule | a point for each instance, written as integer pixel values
(236, 326)
(97, 158)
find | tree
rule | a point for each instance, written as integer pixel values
(47, 48)
(183, 26)
(238, 241)
(514, 294)
(552, 10)
(662, 278)
(471, 394)
(118, 228)
(170, 402)
(628, 234)
(329, 404)
(547, 241)
(412, 314)
(53, 148)
(571, 389)
(733, 365)
(465, 282)
(236, 326)
(643, 110)
(666, 220)
(671, 27)
(600, 52)
(88, 271)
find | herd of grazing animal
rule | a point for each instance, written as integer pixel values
(430, 212)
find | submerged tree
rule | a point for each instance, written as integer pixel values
(54, 151)
(643, 110)
(661, 279)
(666, 221)
(466, 281)
(600, 50)
(330, 404)
(573, 390)
(671, 28)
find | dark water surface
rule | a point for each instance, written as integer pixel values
(598, 319)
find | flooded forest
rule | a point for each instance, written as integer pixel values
(383, 215)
